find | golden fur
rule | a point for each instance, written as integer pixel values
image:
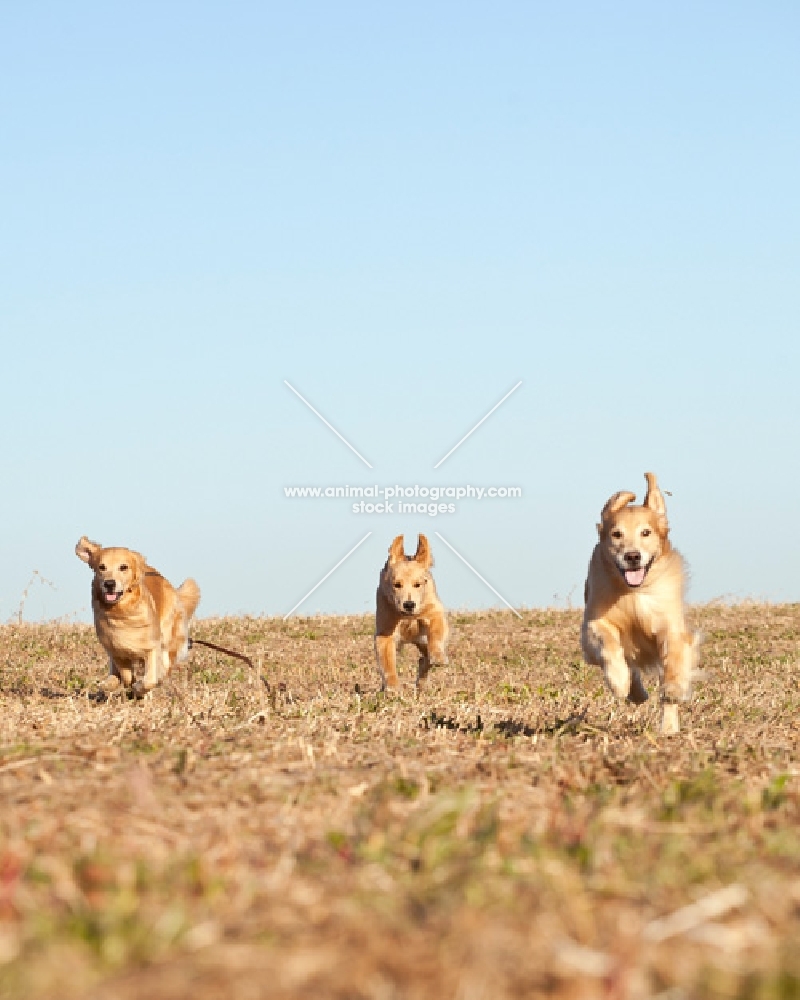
(140, 618)
(634, 618)
(409, 611)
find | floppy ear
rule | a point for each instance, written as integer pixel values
(423, 554)
(87, 551)
(654, 499)
(617, 502)
(140, 563)
(396, 551)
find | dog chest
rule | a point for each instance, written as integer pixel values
(131, 634)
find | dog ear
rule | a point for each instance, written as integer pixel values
(396, 551)
(140, 564)
(654, 499)
(423, 554)
(615, 503)
(87, 551)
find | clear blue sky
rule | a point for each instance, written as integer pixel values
(403, 209)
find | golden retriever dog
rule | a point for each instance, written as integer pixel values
(140, 618)
(634, 619)
(409, 611)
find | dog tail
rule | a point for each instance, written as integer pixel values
(189, 596)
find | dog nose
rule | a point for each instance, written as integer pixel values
(633, 558)
(109, 585)
(408, 606)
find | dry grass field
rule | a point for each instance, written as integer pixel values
(512, 832)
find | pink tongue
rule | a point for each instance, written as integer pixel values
(634, 577)
(111, 598)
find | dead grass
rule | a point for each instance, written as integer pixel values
(511, 833)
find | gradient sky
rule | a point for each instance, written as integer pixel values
(403, 210)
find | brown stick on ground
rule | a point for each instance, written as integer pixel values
(228, 652)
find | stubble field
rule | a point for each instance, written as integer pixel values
(511, 832)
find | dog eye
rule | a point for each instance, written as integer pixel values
(646, 532)
(616, 534)
(398, 585)
(417, 584)
(102, 567)
(123, 567)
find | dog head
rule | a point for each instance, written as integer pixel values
(406, 580)
(634, 537)
(116, 571)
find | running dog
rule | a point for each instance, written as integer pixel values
(139, 617)
(635, 617)
(408, 611)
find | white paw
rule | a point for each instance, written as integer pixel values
(670, 724)
(618, 678)
(139, 689)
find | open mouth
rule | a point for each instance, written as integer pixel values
(111, 597)
(635, 577)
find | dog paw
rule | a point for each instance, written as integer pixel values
(638, 694)
(619, 687)
(674, 693)
(618, 677)
(139, 689)
(670, 724)
(110, 684)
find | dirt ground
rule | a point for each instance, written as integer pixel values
(511, 832)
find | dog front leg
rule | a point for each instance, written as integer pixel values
(424, 662)
(423, 669)
(152, 665)
(125, 671)
(386, 655)
(679, 654)
(437, 642)
(638, 693)
(602, 647)
(113, 680)
(166, 664)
